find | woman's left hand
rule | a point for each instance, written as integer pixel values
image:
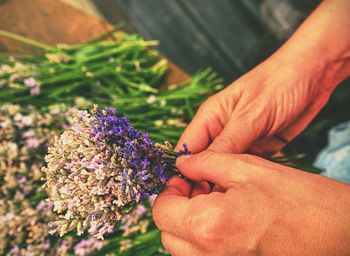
(262, 208)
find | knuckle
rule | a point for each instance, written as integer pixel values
(228, 141)
(207, 226)
(209, 158)
(204, 158)
(207, 104)
(254, 161)
(191, 219)
(246, 158)
(180, 163)
(166, 242)
(157, 216)
(210, 100)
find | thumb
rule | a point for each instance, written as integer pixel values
(222, 169)
(236, 137)
(205, 126)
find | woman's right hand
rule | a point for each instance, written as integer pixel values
(274, 102)
(260, 111)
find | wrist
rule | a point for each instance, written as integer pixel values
(320, 47)
(337, 70)
(324, 68)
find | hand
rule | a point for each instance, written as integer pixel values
(275, 101)
(264, 209)
(259, 112)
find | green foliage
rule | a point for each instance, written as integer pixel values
(122, 73)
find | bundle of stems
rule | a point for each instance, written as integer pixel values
(92, 69)
(123, 73)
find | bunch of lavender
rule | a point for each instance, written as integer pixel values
(87, 246)
(122, 72)
(99, 169)
(165, 114)
(94, 69)
(24, 229)
(25, 133)
(136, 233)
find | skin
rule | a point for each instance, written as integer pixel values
(280, 96)
(257, 207)
(262, 208)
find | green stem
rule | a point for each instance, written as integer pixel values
(169, 152)
(24, 40)
(105, 34)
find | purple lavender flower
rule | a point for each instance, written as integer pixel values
(87, 246)
(136, 221)
(32, 143)
(185, 151)
(23, 223)
(99, 170)
(30, 82)
(35, 91)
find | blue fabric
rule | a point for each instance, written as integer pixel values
(335, 158)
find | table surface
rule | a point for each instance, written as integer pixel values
(53, 22)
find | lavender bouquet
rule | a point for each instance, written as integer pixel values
(58, 76)
(96, 69)
(123, 71)
(25, 214)
(25, 132)
(100, 169)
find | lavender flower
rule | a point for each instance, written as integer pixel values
(87, 246)
(30, 82)
(132, 222)
(185, 151)
(57, 57)
(99, 170)
(25, 133)
(35, 91)
(24, 230)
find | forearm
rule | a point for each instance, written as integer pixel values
(321, 45)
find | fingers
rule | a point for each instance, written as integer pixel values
(203, 128)
(267, 146)
(303, 121)
(216, 124)
(171, 207)
(271, 145)
(179, 247)
(200, 188)
(217, 188)
(222, 169)
(236, 137)
(183, 187)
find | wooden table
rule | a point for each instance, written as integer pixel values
(52, 22)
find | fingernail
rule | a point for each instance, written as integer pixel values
(182, 158)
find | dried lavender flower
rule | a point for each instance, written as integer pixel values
(133, 222)
(87, 246)
(30, 82)
(25, 133)
(98, 170)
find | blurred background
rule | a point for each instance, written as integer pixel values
(229, 36)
